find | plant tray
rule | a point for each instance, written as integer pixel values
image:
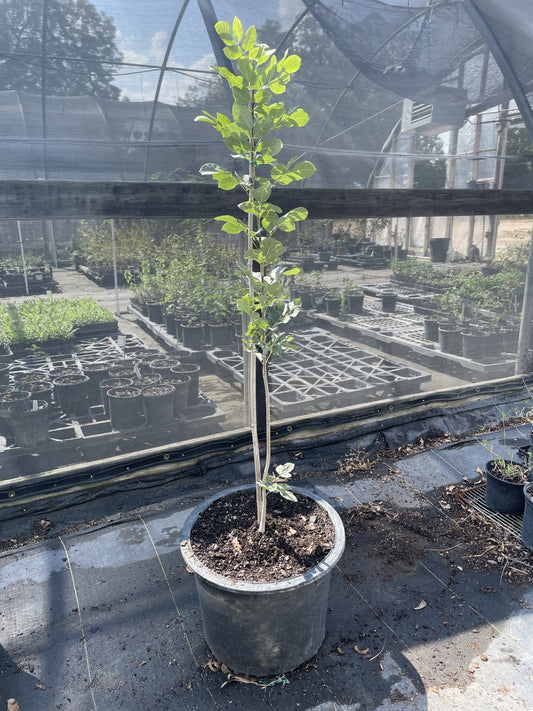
(403, 333)
(325, 372)
(198, 419)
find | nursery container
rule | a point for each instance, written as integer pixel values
(263, 629)
(29, 421)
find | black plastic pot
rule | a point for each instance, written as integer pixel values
(163, 365)
(333, 305)
(170, 323)
(155, 312)
(8, 396)
(29, 421)
(388, 301)
(158, 403)
(480, 345)
(431, 329)
(96, 372)
(263, 629)
(71, 393)
(192, 336)
(355, 302)
(527, 524)
(40, 390)
(192, 370)
(107, 384)
(505, 497)
(438, 248)
(126, 410)
(450, 339)
(220, 334)
(181, 384)
(306, 300)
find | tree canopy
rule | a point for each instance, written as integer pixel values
(77, 39)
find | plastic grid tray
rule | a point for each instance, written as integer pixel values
(96, 422)
(326, 372)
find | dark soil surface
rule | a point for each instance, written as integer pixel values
(509, 471)
(458, 534)
(298, 536)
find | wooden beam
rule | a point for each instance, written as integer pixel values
(47, 199)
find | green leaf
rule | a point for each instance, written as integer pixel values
(242, 116)
(270, 146)
(277, 87)
(291, 63)
(237, 29)
(299, 117)
(224, 32)
(250, 38)
(247, 70)
(226, 181)
(241, 95)
(231, 225)
(232, 52)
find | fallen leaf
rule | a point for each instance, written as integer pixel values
(212, 665)
(291, 532)
(484, 658)
(225, 669)
(42, 687)
(475, 665)
(236, 545)
(12, 705)
(140, 664)
(420, 605)
(361, 651)
(340, 650)
(240, 680)
(189, 570)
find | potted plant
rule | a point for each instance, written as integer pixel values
(504, 492)
(260, 617)
(333, 302)
(352, 297)
(527, 523)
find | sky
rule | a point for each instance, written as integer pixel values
(144, 27)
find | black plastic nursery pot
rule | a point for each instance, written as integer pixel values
(71, 393)
(263, 629)
(107, 384)
(181, 392)
(450, 340)
(220, 334)
(388, 301)
(506, 497)
(155, 312)
(333, 305)
(192, 336)
(126, 410)
(480, 345)
(158, 403)
(431, 329)
(355, 303)
(527, 524)
(193, 371)
(29, 421)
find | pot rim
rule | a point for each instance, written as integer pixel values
(309, 577)
(505, 481)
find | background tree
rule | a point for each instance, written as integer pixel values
(359, 122)
(79, 41)
(518, 171)
(429, 174)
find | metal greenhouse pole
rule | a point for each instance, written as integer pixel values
(115, 275)
(519, 95)
(22, 256)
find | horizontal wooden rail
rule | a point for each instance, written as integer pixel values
(55, 199)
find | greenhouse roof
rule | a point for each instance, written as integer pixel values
(109, 90)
